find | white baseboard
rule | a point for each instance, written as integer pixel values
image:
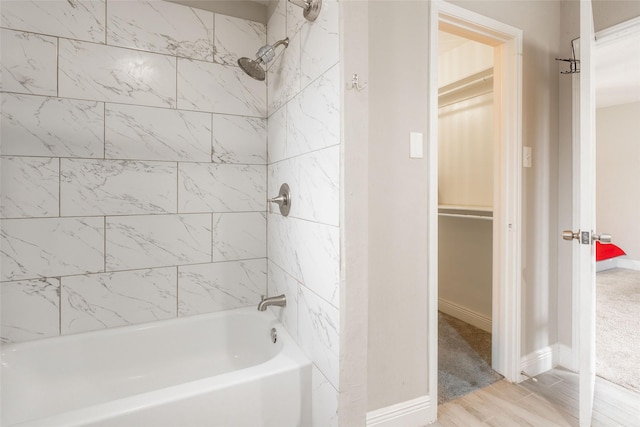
(411, 413)
(539, 361)
(629, 264)
(567, 358)
(464, 314)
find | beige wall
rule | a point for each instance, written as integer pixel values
(399, 69)
(618, 175)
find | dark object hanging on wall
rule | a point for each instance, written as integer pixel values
(574, 64)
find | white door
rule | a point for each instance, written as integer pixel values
(584, 220)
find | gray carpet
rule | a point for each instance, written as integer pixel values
(464, 358)
(618, 327)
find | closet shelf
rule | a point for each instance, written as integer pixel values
(474, 212)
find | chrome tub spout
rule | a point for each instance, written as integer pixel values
(280, 301)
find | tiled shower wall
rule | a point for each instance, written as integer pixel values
(133, 165)
(304, 151)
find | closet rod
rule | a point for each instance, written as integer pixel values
(486, 218)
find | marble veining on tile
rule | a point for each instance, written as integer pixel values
(220, 286)
(313, 117)
(219, 88)
(239, 235)
(319, 335)
(308, 251)
(162, 27)
(28, 63)
(149, 133)
(238, 139)
(145, 241)
(29, 187)
(324, 400)
(321, 45)
(50, 247)
(236, 38)
(117, 187)
(206, 187)
(98, 301)
(30, 310)
(44, 126)
(73, 19)
(319, 181)
(108, 73)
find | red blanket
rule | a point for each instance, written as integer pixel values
(607, 250)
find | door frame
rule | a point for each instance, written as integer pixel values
(507, 222)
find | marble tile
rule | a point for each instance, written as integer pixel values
(157, 240)
(98, 301)
(277, 135)
(42, 126)
(107, 73)
(162, 27)
(236, 38)
(319, 180)
(313, 117)
(28, 63)
(116, 187)
(319, 333)
(225, 89)
(308, 251)
(220, 286)
(278, 283)
(48, 247)
(30, 310)
(283, 77)
(277, 24)
(149, 133)
(320, 47)
(238, 139)
(206, 187)
(29, 187)
(296, 19)
(239, 236)
(72, 19)
(324, 401)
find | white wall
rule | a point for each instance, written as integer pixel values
(618, 175)
(133, 157)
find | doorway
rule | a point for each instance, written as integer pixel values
(466, 152)
(506, 42)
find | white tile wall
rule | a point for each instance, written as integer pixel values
(97, 301)
(143, 241)
(107, 73)
(161, 27)
(46, 126)
(28, 63)
(34, 311)
(221, 285)
(116, 187)
(96, 156)
(304, 151)
(239, 235)
(29, 187)
(149, 133)
(78, 19)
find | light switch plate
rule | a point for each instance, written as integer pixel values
(416, 150)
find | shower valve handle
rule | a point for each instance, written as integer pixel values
(283, 199)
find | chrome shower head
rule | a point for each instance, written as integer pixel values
(265, 54)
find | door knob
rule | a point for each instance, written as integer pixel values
(602, 238)
(570, 235)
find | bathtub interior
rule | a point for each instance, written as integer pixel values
(46, 377)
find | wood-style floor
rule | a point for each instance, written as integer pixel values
(552, 401)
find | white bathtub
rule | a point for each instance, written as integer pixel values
(218, 369)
